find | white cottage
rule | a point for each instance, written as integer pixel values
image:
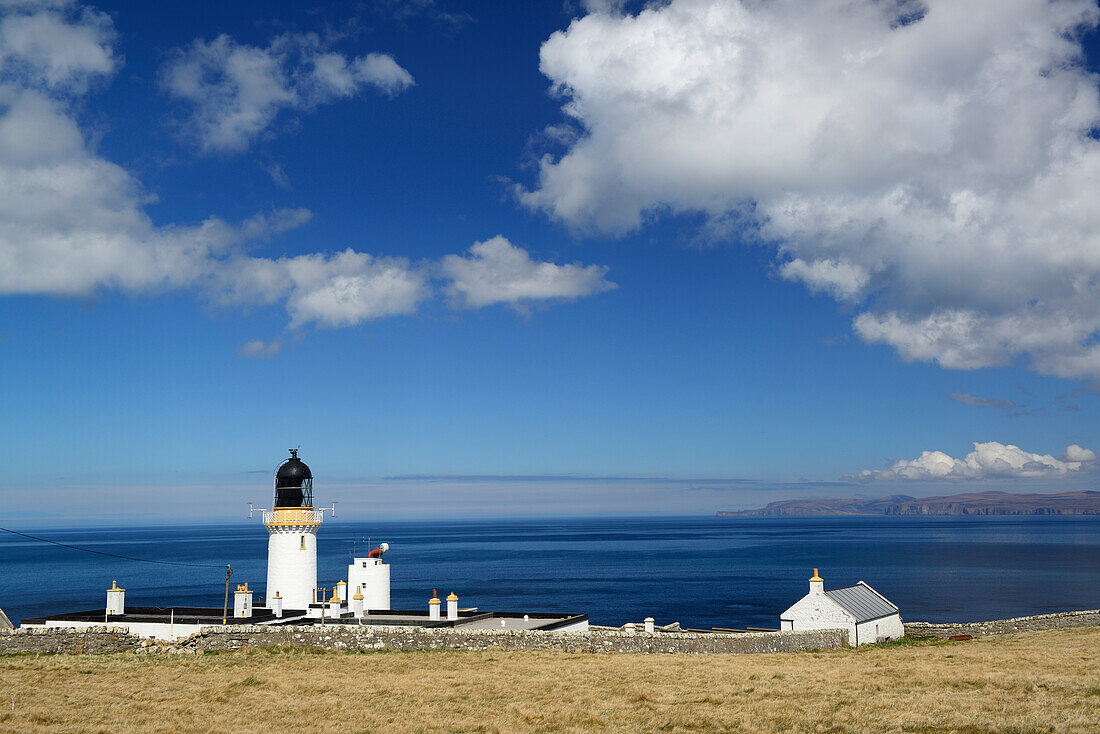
(866, 614)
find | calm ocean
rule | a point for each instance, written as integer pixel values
(702, 572)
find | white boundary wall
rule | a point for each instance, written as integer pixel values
(154, 630)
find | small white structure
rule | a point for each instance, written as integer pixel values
(242, 601)
(866, 614)
(452, 606)
(433, 607)
(116, 599)
(275, 604)
(372, 576)
(357, 604)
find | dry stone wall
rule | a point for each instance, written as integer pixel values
(1003, 626)
(354, 638)
(414, 638)
(97, 639)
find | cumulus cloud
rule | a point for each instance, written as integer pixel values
(1075, 453)
(73, 223)
(932, 162)
(980, 402)
(842, 280)
(987, 461)
(44, 47)
(343, 289)
(496, 271)
(236, 91)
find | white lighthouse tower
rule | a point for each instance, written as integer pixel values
(292, 525)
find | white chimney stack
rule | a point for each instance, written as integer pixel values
(357, 603)
(341, 591)
(276, 605)
(242, 601)
(817, 584)
(116, 599)
(334, 605)
(649, 625)
(628, 628)
(452, 606)
(433, 607)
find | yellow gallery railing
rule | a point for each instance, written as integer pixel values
(293, 516)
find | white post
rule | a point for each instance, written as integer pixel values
(242, 601)
(334, 605)
(433, 607)
(341, 591)
(628, 628)
(357, 603)
(649, 625)
(116, 599)
(452, 606)
(276, 605)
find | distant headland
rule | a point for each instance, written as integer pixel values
(1084, 502)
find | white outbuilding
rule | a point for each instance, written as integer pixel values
(866, 614)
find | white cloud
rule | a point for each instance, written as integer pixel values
(54, 46)
(1075, 453)
(72, 222)
(842, 280)
(383, 72)
(236, 90)
(603, 6)
(931, 162)
(496, 271)
(343, 289)
(987, 461)
(258, 349)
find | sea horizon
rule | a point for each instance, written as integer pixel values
(701, 571)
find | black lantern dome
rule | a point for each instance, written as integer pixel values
(293, 483)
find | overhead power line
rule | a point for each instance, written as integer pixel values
(114, 555)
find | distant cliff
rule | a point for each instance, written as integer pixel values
(978, 503)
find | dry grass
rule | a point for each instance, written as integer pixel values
(1035, 682)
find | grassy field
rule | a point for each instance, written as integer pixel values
(1034, 682)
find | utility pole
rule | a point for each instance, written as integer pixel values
(225, 605)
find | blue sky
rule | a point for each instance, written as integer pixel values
(729, 253)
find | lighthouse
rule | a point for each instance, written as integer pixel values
(292, 526)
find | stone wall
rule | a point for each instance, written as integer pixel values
(215, 639)
(413, 638)
(1002, 626)
(87, 640)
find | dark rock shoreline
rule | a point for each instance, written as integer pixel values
(1085, 502)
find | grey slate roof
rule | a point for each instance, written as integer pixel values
(862, 602)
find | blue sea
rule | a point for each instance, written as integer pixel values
(703, 572)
